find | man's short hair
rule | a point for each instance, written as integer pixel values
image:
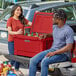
(60, 14)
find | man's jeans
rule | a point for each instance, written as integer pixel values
(45, 61)
(11, 52)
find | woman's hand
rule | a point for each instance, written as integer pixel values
(19, 31)
(14, 32)
(30, 23)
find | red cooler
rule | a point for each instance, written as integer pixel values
(74, 53)
(29, 45)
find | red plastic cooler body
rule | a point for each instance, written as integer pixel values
(30, 46)
(74, 53)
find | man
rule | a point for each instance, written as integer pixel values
(60, 50)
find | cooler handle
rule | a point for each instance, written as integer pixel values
(27, 40)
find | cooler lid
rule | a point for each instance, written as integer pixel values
(42, 22)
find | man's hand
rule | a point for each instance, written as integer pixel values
(43, 36)
(50, 54)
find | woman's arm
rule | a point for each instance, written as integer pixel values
(13, 32)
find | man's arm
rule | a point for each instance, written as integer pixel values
(49, 35)
(43, 36)
(64, 49)
(60, 51)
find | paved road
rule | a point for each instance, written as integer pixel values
(26, 72)
(3, 48)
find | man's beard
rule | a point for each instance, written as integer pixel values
(55, 23)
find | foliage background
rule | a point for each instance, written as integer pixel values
(5, 3)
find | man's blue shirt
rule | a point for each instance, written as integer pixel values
(62, 36)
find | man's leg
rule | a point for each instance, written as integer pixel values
(34, 61)
(49, 60)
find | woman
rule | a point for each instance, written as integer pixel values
(15, 26)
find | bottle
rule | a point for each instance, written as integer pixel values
(32, 34)
(12, 68)
(1, 63)
(25, 33)
(37, 34)
(27, 25)
(5, 70)
(29, 34)
(5, 63)
(9, 66)
(1, 67)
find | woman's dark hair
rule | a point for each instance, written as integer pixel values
(21, 17)
(60, 14)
